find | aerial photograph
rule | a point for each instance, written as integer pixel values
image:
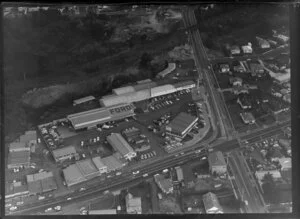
(147, 109)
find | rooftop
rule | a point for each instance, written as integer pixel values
(216, 159)
(119, 143)
(18, 158)
(112, 163)
(182, 122)
(73, 175)
(211, 201)
(87, 167)
(60, 152)
(16, 146)
(98, 162)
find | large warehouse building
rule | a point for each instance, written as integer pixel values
(143, 91)
(121, 145)
(181, 125)
(91, 118)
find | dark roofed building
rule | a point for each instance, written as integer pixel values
(217, 162)
(181, 124)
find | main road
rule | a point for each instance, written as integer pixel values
(126, 179)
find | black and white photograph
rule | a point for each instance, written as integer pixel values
(121, 109)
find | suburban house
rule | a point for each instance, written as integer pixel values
(247, 49)
(244, 103)
(236, 81)
(247, 118)
(234, 50)
(224, 68)
(264, 44)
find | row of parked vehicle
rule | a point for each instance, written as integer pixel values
(51, 136)
(166, 100)
(148, 155)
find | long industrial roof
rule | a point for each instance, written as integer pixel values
(119, 143)
(182, 122)
(112, 163)
(87, 167)
(73, 175)
(85, 118)
(98, 162)
(60, 152)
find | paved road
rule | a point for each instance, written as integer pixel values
(127, 178)
(246, 184)
(202, 63)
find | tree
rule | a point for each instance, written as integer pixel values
(145, 61)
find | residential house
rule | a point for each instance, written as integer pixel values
(285, 163)
(165, 184)
(261, 174)
(256, 69)
(247, 49)
(236, 81)
(239, 90)
(287, 98)
(239, 67)
(133, 204)
(224, 68)
(217, 163)
(264, 44)
(247, 118)
(244, 103)
(234, 50)
(211, 204)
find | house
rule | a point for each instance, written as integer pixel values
(287, 98)
(264, 44)
(239, 90)
(256, 69)
(217, 163)
(247, 49)
(285, 163)
(235, 81)
(133, 204)
(224, 68)
(211, 204)
(244, 103)
(234, 50)
(261, 174)
(165, 184)
(239, 67)
(247, 118)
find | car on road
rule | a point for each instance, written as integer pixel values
(165, 170)
(57, 208)
(135, 172)
(82, 189)
(204, 158)
(145, 175)
(68, 199)
(13, 208)
(48, 210)
(118, 173)
(84, 212)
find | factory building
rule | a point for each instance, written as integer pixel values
(64, 153)
(121, 145)
(181, 125)
(102, 168)
(141, 92)
(91, 118)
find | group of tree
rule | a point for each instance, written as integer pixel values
(48, 42)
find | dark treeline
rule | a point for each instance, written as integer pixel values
(50, 43)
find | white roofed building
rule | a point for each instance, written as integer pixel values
(217, 163)
(247, 49)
